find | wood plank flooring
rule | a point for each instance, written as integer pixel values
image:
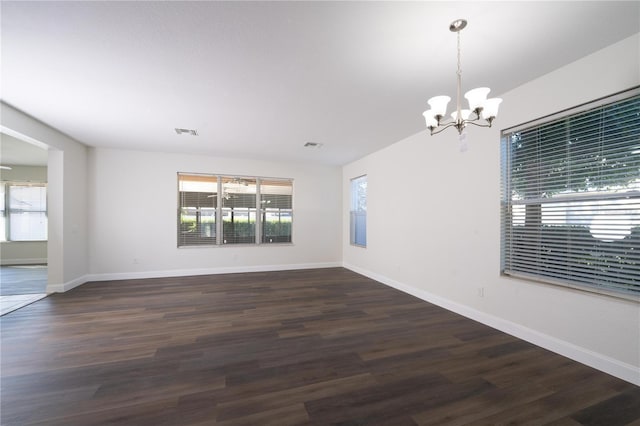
(312, 347)
(23, 279)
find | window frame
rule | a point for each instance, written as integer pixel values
(256, 213)
(572, 275)
(358, 215)
(7, 210)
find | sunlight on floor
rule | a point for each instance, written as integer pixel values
(11, 303)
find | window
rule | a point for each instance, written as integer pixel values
(276, 203)
(358, 216)
(3, 215)
(571, 197)
(198, 202)
(24, 212)
(240, 209)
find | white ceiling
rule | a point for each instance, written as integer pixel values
(259, 79)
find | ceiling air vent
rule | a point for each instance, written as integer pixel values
(191, 132)
(312, 145)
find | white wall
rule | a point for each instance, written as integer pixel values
(133, 216)
(448, 247)
(23, 252)
(67, 196)
(24, 174)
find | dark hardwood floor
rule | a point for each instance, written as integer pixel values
(312, 347)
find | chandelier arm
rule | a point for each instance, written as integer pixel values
(477, 124)
(440, 128)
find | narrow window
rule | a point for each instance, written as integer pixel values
(276, 207)
(358, 216)
(3, 214)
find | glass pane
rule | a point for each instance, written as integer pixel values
(27, 213)
(28, 198)
(198, 183)
(239, 225)
(239, 210)
(358, 229)
(276, 202)
(276, 226)
(572, 201)
(198, 196)
(3, 228)
(28, 226)
(358, 218)
(359, 194)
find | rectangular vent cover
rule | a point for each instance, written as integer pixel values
(187, 131)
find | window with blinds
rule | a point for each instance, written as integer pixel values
(218, 210)
(571, 197)
(23, 209)
(239, 210)
(198, 200)
(276, 204)
(3, 213)
(358, 213)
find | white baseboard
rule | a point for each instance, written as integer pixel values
(31, 261)
(207, 271)
(62, 287)
(585, 356)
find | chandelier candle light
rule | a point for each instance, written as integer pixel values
(479, 105)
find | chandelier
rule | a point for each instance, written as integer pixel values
(479, 105)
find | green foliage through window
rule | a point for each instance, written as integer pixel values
(215, 210)
(571, 198)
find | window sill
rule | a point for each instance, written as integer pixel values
(24, 241)
(236, 245)
(586, 288)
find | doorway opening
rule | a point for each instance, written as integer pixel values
(23, 223)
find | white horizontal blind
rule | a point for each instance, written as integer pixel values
(3, 213)
(218, 209)
(276, 210)
(238, 210)
(358, 212)
(571, 198)
(198, 199)
(28, 212)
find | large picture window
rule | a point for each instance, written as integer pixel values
(23, 208)
(571, 197)
(240, 209)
